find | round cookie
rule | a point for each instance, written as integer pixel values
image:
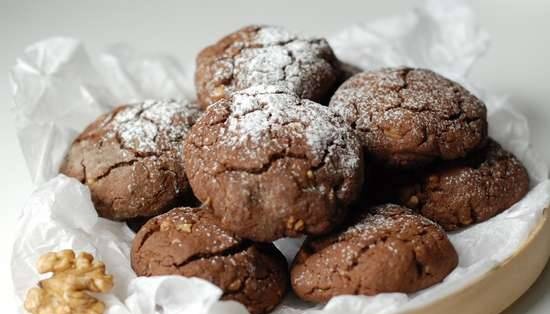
(409, 117)
(463, 192)
(188, 242)
(131, 158)
(267, 55)
(389, 249)
(272, 165)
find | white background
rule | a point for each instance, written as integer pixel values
(517, 64)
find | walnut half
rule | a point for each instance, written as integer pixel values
(65, 291)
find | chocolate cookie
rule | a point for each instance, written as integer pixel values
(188, 242)
(409, 117)
(131, 158)
(346, 71)
(390, 249)
(273, 165)
(266, 55)
(463, 192)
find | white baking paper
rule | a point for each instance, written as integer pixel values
(59, 87)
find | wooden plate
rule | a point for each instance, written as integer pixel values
(504, 284)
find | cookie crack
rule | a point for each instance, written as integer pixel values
(292, 61)
(404, 75)
(453, 116)
(230, 81)
(84, 173)
(135, 152)
(264, 168)
(242, 246)
(113, 167)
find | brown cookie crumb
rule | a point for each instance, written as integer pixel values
(409, 117)
(389, 249)
(267, 55)
(187, 241)
(130, 158)
(273, 165)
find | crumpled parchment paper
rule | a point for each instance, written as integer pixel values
(59, 87)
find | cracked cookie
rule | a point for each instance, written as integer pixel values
(131, 158)
(386, 249)
(265, 55)
(409, 117)
(272, 165)
(462, 192)
(187, 241)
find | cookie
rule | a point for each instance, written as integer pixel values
(188, 242)
(463, 192)
(272, 165)
(267, 55)
(346, 71)
(131, 158)
(389, 249)
(409, 117)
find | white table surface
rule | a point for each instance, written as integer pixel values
(517, 64)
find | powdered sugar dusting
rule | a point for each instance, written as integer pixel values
(386, 217)
(270, 55)
(141, 126)
(272, 35)
(283, 59)
(403, 112)
(260, 111)
(255, 110)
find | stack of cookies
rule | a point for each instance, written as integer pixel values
(285, 140)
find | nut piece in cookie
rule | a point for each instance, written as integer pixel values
(409, 117)
(459, 193)
(273, 165)
(65, 291)
(389, 249)
(187, 241)
(267, 55)
(130, 158)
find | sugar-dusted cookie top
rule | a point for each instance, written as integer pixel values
(266, 55)
(272, 165)
(408, 117)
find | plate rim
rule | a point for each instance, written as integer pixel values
(502, 285)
